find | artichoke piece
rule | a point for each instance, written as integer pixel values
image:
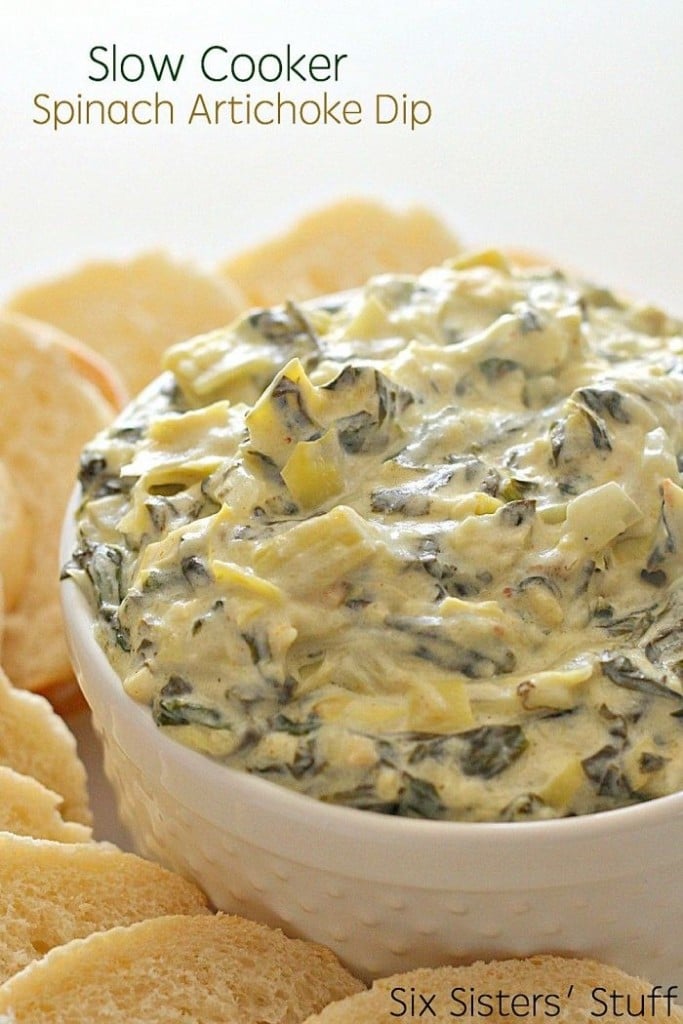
(318, 552)
(314, 471)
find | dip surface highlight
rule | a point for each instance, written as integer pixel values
(415, 549)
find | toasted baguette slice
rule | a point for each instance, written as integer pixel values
(547, 977)
(47, 413)
(28, 808)
(210, 969)
(340, 247)
(53, 892)
(131, 311)
(15, 539)
(35, 741)
(99, 371)
(526, 259)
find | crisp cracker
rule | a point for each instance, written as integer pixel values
(27, 808)
(48, 410)
(340, 247)
(131, 311)
(35, 741)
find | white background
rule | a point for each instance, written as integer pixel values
(556, 126)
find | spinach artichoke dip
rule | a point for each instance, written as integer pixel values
(416, 549)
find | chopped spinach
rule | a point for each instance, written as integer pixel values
(558, 437)
(650, 763)
(286, 396)
(603, 769)
(529, 320)
(603, 401)
(599, 432)
(623, 672)
(176, 687)
(524, 807)
(491, 749)
(175, 711)
(416, 798)
(452, 582)
(92, 470)
(168, 490)
(419, 798)
(411, 499)
(356, 432)
(494, 368)
(371, 428)
(539, 581)
(105, 569)
(195, 571)
(666, 649)
(655, 577)
(435, 645)
(259, 647)
(302, 727)
(633, 625)
(284, 325)
(515, 513)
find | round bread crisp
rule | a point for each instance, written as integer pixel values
(52, 892)
(527, 259)
(98, 370)
(15, 539)
(536, 990)
(27, 808)
(35, 741)
(130, 311)
(48, 410)
(339, 247)
(217, 970)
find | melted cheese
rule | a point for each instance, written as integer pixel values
(415, 549)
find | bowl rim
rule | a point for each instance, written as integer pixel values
(80, 619)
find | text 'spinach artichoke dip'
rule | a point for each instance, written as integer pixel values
(418, 549)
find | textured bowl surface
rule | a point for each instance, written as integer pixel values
(385, 893)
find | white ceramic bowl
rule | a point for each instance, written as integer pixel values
(387, 893)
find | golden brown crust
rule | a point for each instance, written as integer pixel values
(338, 247)
(566, 989)
(15, 539)
(35, 741)
(217, 970)
(131, 311)
(28, 808)
(49, 410)
(52, 892)
(65, 696)
(99, 371)
(526, 259)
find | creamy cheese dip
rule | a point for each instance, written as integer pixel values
(416, 549)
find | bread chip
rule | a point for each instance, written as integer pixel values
(132, 310)
(27, 808)
(53, 892)
(526, 259)
(547, 977)
(35, 741)
(339, 247)
(98, 370)
(217, 970)
(15, 539)
(48, 410)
